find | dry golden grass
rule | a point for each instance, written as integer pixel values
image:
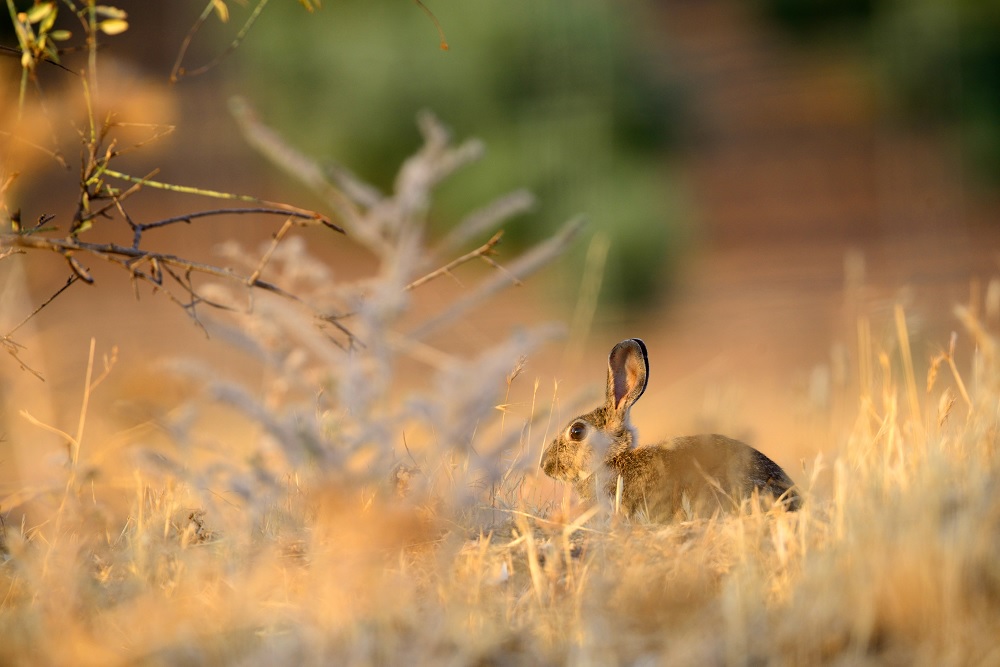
(895, 565)
(324, 506)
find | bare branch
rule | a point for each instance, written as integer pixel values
(523, 266)
(13, 348)
(482, 251)
(185, 189)
(178, 70)
(188, 217)
(69, 281)
(116, 202)
(127, 257)
(178, 268)
(270, 251)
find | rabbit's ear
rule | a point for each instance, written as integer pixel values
(628, 370)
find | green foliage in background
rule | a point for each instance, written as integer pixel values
(939, 60)
(569, 100)
(806, 18)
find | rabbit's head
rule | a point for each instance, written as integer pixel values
(593, 438)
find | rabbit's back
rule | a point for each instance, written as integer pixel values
(700, 473)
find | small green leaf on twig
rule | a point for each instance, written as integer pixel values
(79, 269)
(113, 26)
(40, 11)
(221, 10)
(110, 12)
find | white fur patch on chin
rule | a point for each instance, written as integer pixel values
(600, 443)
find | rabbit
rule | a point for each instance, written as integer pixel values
(695, 474)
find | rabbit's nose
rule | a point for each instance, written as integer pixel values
(548, 462)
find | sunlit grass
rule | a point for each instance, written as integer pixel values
(896, 563)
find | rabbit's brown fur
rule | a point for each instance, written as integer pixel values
(700, 473)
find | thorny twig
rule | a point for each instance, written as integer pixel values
(270, 251)
(69, 281)
(523, 266)
(129, 258)
(138, 229)
(13, 347)
(142, 264)
(188, 217)
(178, 269)
(484, 251)
(288, 208)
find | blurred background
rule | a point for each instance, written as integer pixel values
(760, 174)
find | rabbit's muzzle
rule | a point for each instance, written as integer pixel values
(550, 461)
(565, 461)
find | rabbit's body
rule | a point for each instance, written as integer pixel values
(699, 473)
(704, 472)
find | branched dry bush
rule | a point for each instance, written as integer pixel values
(331, 489)
(332, 409)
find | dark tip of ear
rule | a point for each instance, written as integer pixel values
(645, 362)
(633, 343)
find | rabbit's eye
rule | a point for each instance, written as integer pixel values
(577, 431)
